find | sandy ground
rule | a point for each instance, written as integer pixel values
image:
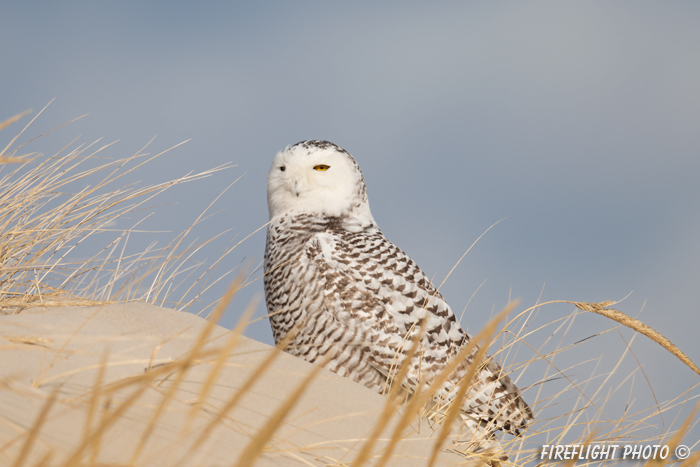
(59, 351)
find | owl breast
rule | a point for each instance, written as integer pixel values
(308, 293)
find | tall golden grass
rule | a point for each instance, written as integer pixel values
(50, 206)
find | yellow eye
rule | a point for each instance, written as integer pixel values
(322, 167)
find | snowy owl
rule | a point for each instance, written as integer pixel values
(351, 294)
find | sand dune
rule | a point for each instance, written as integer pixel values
(60, 349)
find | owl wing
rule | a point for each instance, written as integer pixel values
(370, 281)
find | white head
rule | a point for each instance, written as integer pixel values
(317, 177)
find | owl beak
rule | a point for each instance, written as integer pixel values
(296, 187)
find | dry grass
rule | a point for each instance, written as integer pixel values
(51, 206)
(581, 411)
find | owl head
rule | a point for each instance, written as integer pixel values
(317, 177)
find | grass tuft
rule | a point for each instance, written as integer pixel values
(52, 207)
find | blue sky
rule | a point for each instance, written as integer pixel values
(577, 122)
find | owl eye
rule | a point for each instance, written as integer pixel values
(283, 168)
(322, 167)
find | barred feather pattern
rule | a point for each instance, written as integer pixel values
(354, 301)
